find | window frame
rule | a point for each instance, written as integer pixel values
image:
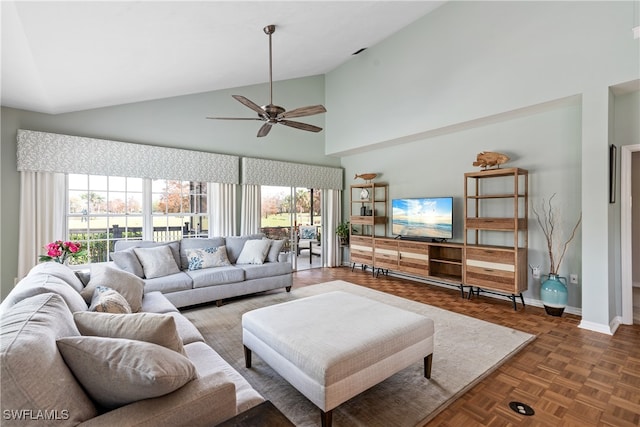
(146, 215)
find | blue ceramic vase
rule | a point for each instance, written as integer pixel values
(553, 293)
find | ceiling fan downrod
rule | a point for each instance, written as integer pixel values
(270, 29)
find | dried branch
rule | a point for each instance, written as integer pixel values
(573, 234)
(547, 221)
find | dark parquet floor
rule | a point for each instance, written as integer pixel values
(568, 375)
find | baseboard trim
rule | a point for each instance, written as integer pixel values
(528, 301)
(609, 329)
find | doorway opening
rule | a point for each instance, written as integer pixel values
(629, 230)
(294, 214)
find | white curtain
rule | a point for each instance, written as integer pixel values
(331, 216)
(251, 209)
(222, 209)
(42, 215)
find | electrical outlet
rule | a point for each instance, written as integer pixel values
(573, 279)
(535, 272)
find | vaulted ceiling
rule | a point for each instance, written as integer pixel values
(74, 55)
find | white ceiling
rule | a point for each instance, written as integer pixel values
(74, 55)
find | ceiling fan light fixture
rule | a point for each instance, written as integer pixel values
(274, 114)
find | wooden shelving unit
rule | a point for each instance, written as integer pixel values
(496, 232)
(435, 261)
(368, 218)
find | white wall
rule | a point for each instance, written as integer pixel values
(635, 226)
(546, 143)
(470, 62)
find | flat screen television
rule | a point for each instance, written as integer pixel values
(422, 218)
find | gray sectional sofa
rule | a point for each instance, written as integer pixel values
(186, 287)
(52, 374)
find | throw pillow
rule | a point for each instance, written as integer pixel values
(254, 252)
(274, 250)
(235, 244)
(157, 262)
(188, 244)
(107, 300)
(207, 258)
(149, 327)
(34, 374)
(128, 261)
(128, 285)
(117, 371)
(308, 233)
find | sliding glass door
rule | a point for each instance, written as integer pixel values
(295, 215)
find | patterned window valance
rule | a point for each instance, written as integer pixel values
(50, 152)
(271, 172)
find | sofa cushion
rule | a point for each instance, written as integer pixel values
(208, 362)
(156, 302)
(156, 262)
(117, 371)
(42, 283)
(189, 244)
(172, 283)
(186, 330)
(216, 276)
(107, 300)
(128, 261)
(60, 271)
(268, 269)
(254, 252)
(274, 250)
(126, 244)
(128, 285)
(235, 244)
(149, 327)
(34, 374)
(207, 258)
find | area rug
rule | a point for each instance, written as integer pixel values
(466, 351)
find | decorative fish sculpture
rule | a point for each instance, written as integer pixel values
(366, 176)
(489, 159)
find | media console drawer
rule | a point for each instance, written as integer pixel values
(385, 254)
(494, 268)
(413, 258)
(361, 250)
(492, 255)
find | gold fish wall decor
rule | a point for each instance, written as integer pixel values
(366, 176)
(489, 159)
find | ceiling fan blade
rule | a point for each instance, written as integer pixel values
(247, 102)
(264, 130)
(234, 118)
(298, 125)
(304, 111)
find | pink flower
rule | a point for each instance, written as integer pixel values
(54, 252)
(59, 251)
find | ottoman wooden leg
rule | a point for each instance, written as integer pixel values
(326, 418)
(428, 361)
(247, 357)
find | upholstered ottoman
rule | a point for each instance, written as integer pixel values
(333, 346)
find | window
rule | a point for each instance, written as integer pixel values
(179, 209)
(104, 209)
(276, 219)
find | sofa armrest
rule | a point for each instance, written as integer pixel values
(205, 401)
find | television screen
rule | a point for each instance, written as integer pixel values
(421, 218)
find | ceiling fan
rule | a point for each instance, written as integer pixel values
(274, 114)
